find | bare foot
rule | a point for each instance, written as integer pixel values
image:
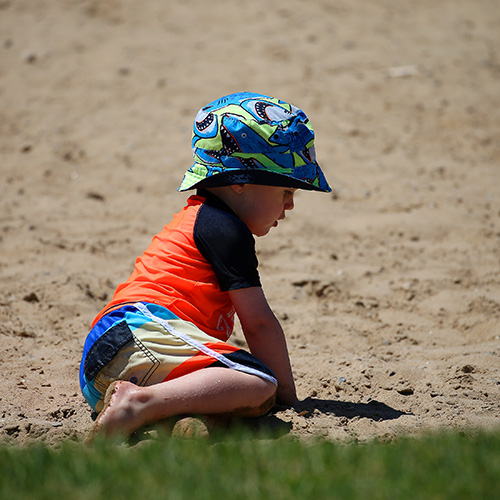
(118, 416)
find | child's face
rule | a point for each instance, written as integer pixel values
(263, 206)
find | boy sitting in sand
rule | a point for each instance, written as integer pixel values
(159, 348)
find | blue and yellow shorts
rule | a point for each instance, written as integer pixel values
(147, 344)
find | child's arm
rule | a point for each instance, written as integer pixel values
(265, 338)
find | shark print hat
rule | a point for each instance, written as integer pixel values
(248, 138)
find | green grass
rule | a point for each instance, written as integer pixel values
(438, 466)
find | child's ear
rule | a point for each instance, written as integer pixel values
(238, 188)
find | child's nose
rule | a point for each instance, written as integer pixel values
(289, 204)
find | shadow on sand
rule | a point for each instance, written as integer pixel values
(373, 410)
(271, 425)
(274, 425)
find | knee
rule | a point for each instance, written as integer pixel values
(272, 390)
(265, 401)
(266, 406)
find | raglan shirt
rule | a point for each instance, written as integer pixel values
(189, 267)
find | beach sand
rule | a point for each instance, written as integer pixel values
(388, 288)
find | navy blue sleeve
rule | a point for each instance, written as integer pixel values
(229, 246)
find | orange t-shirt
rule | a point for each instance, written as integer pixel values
(174, 271)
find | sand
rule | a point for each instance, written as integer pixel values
(388, 289)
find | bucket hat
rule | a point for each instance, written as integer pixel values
(249, 138)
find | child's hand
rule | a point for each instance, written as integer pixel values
(287, 399)
(290, 402)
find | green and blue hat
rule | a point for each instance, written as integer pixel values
(248, 138)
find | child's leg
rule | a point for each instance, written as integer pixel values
(207, 391)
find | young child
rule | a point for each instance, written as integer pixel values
(159, 348)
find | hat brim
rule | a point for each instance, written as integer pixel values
(255, 176)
